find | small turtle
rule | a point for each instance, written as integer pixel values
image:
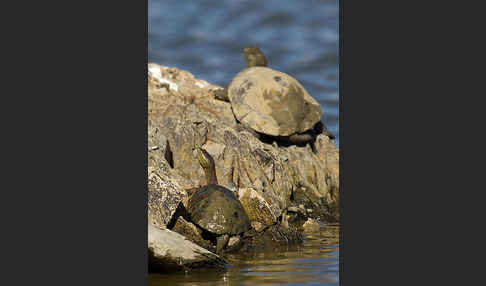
(273, 104)
(215, 208)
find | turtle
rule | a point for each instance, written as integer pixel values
(254, 57)
(214, 208)
(271, 104)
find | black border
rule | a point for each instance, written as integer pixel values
(76, 179)
(77, 164)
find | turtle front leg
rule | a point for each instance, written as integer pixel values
(221, 240)
(320, 128)
(301, 139)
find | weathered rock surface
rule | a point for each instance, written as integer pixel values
(192, 233)
(272, 102)
(164, 195)
(259, 211)
(169, 251)
(272, 236)
(267, 178)
(311, 225)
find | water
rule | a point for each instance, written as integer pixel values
(315, 262)
(207, 38)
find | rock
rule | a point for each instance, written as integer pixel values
(311, 225)
(257, 208)
(300, 210)
(169, 251)
(258, 226)
(272, 102)
(192, 233)
(273, 236)
(293, 209)
(164, 195)
(272, 177)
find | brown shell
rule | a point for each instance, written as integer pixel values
(272, 102)
(217, 210)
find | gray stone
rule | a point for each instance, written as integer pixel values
(311, 225)
(191, 232)
(169, 251)
(164, 195)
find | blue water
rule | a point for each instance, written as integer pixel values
(207, 38)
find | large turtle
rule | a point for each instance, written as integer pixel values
(214, 208)
(273, 103)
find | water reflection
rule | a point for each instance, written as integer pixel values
(315, 262)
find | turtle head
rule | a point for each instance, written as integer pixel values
(207, 163)
(254, 57)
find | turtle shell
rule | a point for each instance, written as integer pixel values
(217, 210)
(272, 102)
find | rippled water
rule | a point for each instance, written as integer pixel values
(315, 262)
(207, 38)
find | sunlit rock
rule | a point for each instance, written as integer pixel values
(168, 251)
